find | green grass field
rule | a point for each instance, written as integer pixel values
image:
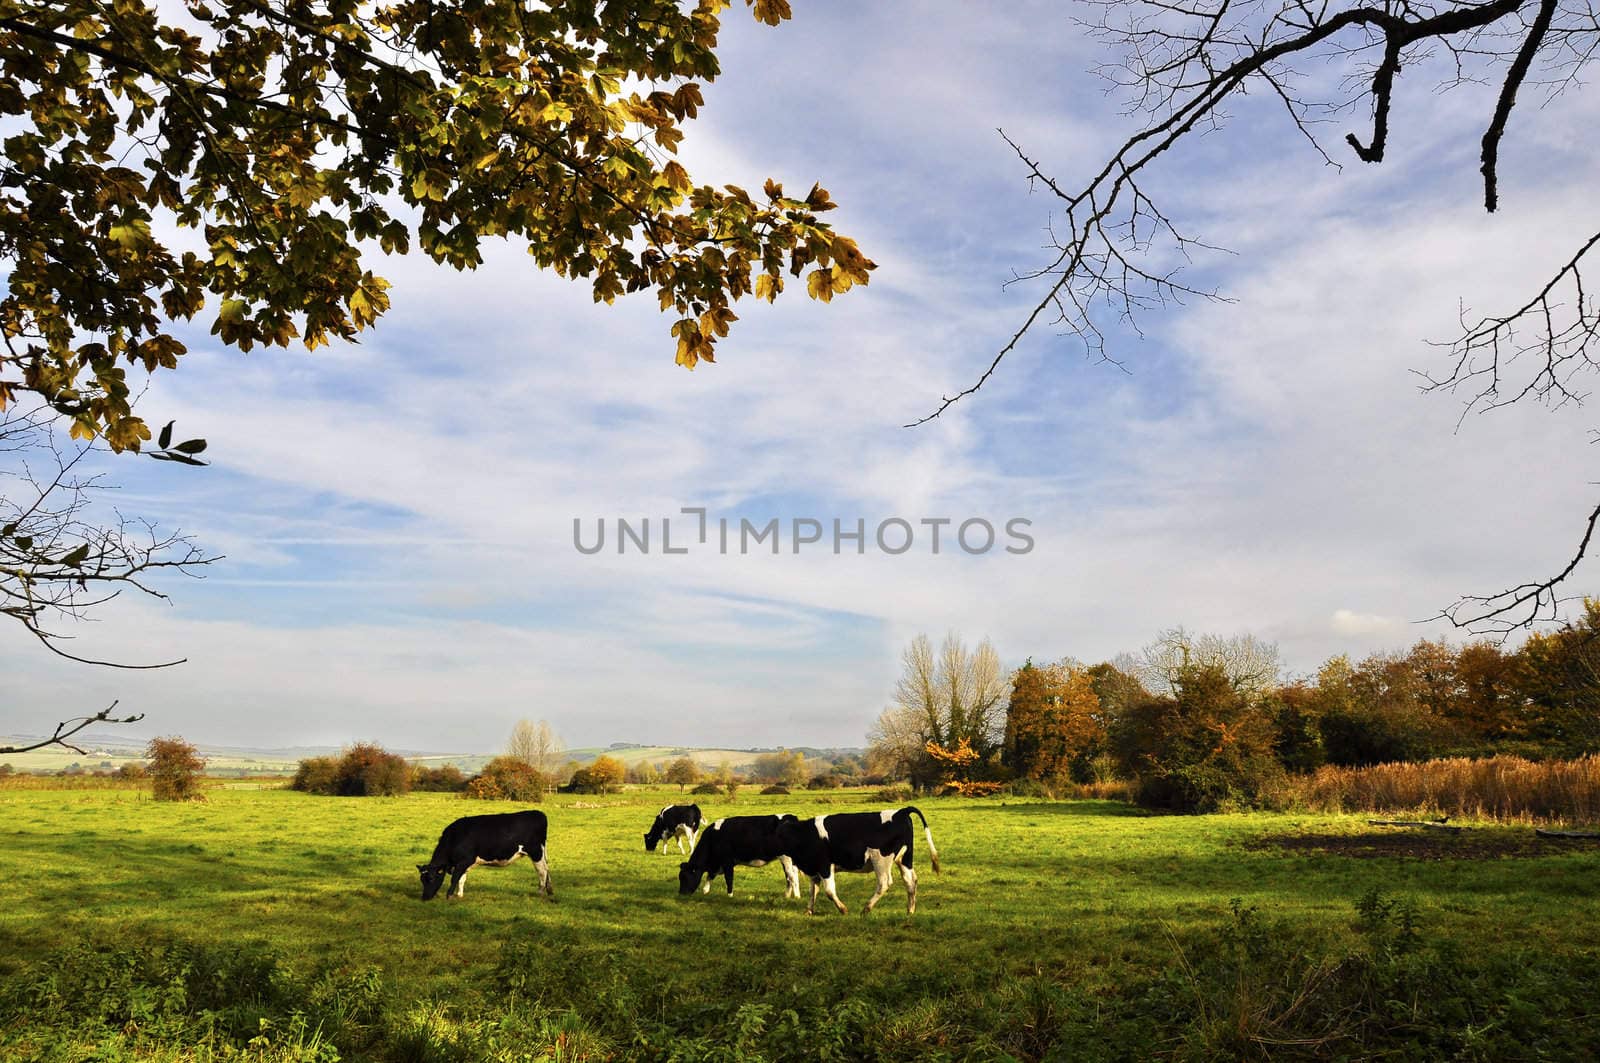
(1083, 929)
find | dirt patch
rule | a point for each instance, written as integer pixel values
(1423, 844)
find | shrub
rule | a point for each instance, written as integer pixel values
(604, 776)
(775, 788)
(316, 775)
(175, 768)
(131, 770)
(896, 792)
(365, 769)
(707, 788)
(973, 788)
(444, 779)
(824, 782)
(506, 779)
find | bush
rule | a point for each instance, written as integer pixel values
(824, 782)
(896, 792)
(317, 775)
(506, 779)
(131, 770)
(365, 769)
(604, 776)
(175, 768)
(775, 788)
(446, 779)
(707, 788)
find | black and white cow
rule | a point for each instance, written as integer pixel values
(674, 821)
(857, 841)
(495, 840)
(749, 840)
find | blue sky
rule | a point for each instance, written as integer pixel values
(397, 515)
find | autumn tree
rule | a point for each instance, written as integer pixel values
(1206, 746)
(1558, 675)
(1052, 720)
(240, 158)
(604, 775)
(1117, 253)
(683, 772)
(957, 693)
(174, 767)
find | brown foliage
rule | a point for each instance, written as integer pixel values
(1501, 788)
(1052, 720)
(507, 778)
(364, 769)
(175, 767)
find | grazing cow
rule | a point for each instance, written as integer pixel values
(495, 840)
(857, 841)
(748, 840)
(674, 821)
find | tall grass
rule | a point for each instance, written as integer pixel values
(1501, 788)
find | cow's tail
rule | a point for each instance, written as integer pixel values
(927, 831)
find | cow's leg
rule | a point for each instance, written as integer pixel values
(811, 905)
(883, 868)
(833, 894)
(727, 873)
(910, 875)
(706, 886)
(677, 836)
(458, 882)
(791, 878)
(542, 865)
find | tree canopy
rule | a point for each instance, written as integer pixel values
(242, 158)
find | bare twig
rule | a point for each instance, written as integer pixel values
(67, 728)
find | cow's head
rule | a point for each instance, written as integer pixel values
(432, 879)
(688, 878)
(653, 835)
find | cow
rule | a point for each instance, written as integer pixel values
(748, 840)
(495, 840)
(677, 822)
(857, 841)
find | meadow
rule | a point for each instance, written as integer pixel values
(272, 925)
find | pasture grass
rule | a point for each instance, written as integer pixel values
(1057, 927)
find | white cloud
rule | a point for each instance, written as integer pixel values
(398, 515)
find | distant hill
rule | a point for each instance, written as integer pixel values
(106, 750)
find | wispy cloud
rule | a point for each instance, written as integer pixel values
(398, 514)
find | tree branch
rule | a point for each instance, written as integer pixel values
(67, 728)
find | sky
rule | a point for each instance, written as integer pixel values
(397, 516)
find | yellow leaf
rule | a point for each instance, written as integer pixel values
(772, 12)
(819, 284)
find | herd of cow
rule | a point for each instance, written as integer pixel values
(817, 847)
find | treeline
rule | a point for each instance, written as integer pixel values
(366, 769)
(1201, 723)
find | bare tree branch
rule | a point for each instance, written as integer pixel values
(67, 728)
(1182, 61)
